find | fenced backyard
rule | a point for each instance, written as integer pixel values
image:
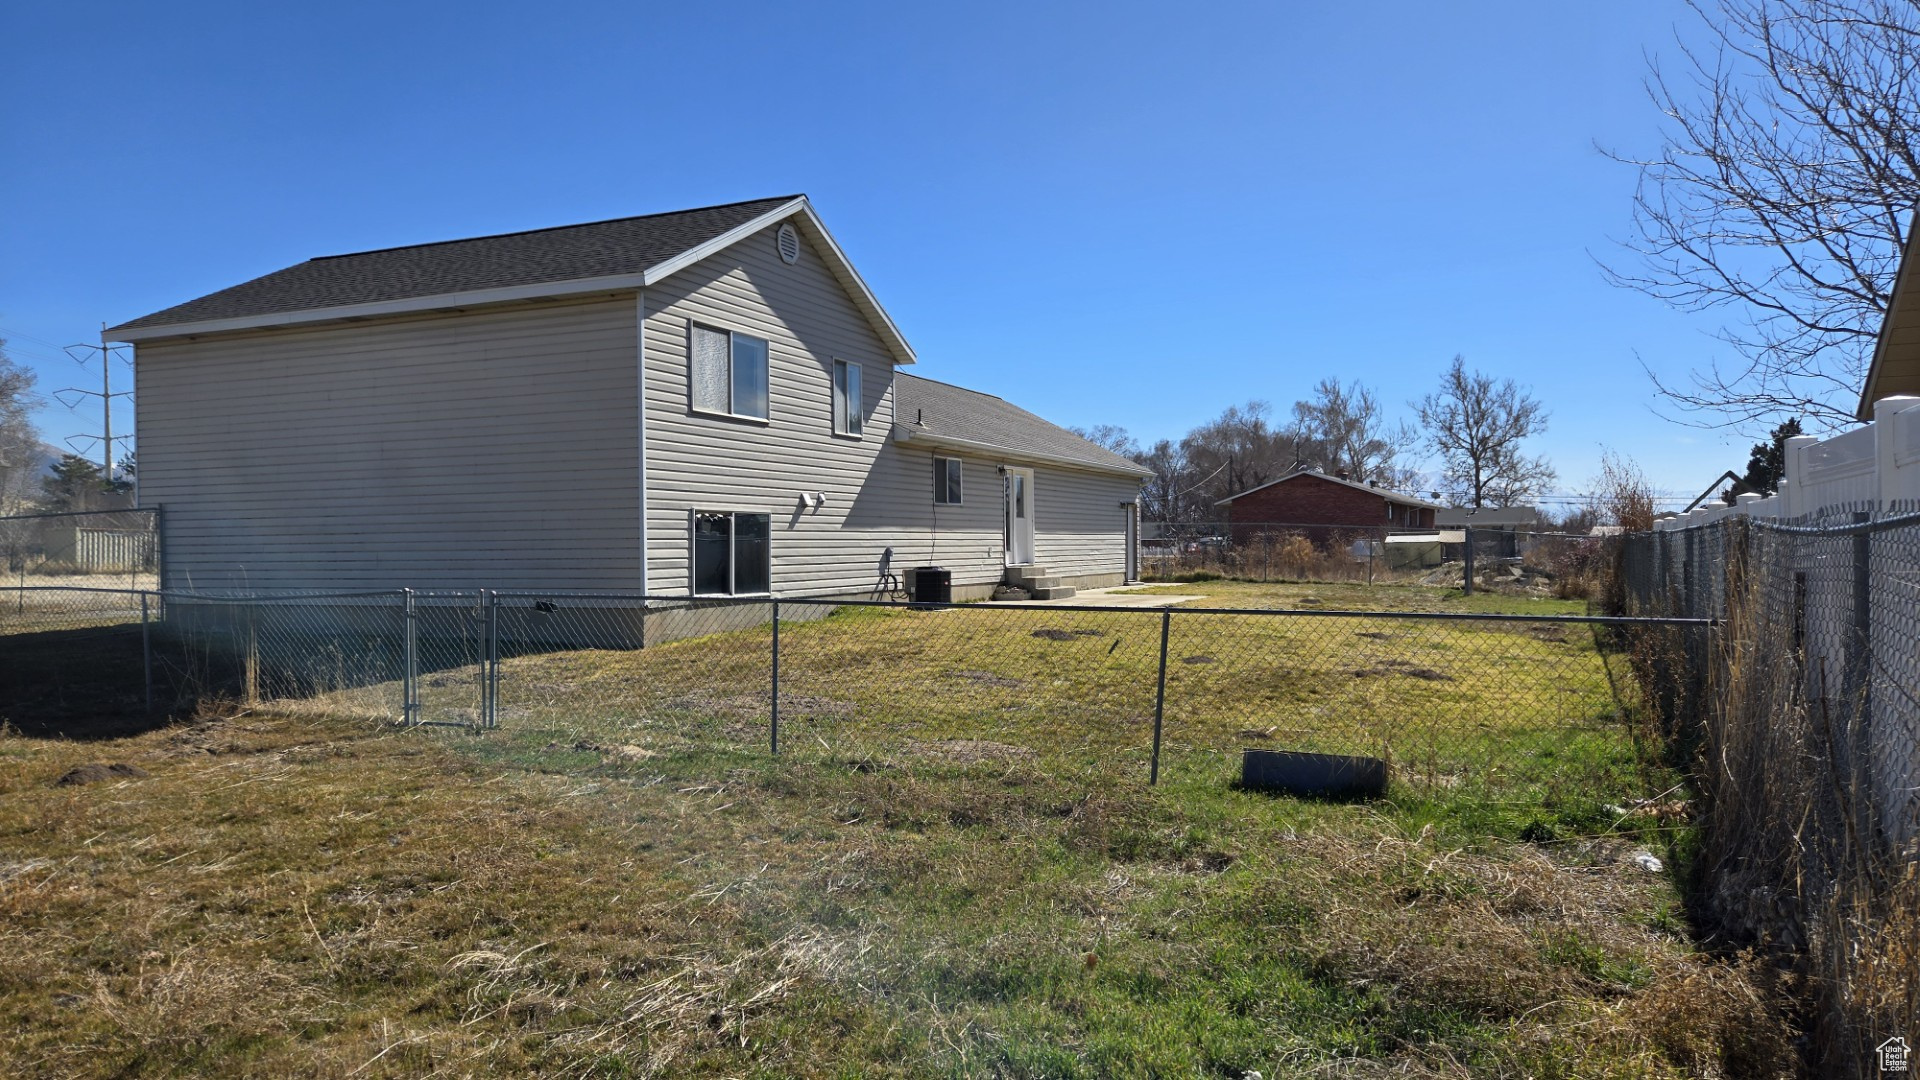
(602, 833)
(1506, 707)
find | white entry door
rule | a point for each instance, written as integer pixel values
(1019, 517)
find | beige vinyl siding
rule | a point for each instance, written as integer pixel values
(701, 462)
(879, 494)
(1079, 525)
(494, 448)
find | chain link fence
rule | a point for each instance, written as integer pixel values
(1801, 728)
(1512, 561)
(1509, 708)
(113, 549)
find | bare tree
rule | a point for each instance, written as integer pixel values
(20, 448)
(1621, 495)
(1476, 425)
(1112, 437)
(1347, 425)
(1167, 497)
(1238, 450)
(1786, 175)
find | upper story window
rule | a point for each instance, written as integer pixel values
(946, 481)
(846, 399)
(729, 372)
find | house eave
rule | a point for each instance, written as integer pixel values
(1881, 345)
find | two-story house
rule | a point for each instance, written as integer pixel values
(705, 402)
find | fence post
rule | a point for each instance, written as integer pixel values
(774, 715)
(490, 681)
(1860, 651)
(250, 677)
(1160, 696)
(410, 678)
(146, 653)
(1466, 587)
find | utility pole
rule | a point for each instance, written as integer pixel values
(72, 396)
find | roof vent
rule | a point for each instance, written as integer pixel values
(788, 242)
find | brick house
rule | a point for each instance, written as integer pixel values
(1326, 509)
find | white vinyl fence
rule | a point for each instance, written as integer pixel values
(1839, 547)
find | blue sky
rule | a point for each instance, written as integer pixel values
(1100, 211)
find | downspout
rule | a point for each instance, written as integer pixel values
(640, 335)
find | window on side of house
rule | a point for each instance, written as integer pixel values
(729, 372)
(847, 407)
(732, 554)
(946, 481)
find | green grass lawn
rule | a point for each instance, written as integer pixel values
(320, 897)
(1518, 717)
(955, 867)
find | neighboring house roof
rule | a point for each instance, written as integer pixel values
(624, 253)
(1485, 518)
(1390, 496)
(942, 415)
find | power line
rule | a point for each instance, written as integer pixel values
(106, 394)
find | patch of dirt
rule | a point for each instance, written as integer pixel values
(1054, 635)
(622, 752)
(1196, 660)
(988, 678)
(1374, 634)
(811, 706)
(970, 751)
(1208, 862)
(756, 706)
(1255, 733)
(1089, 632)
(1548, 633)
(1402, 667)
(94, 774)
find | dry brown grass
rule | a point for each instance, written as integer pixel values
(1792, 862)
(312, 896)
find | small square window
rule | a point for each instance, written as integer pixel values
(847, 407)
(946, 481)
(729, 372)
(732, 554)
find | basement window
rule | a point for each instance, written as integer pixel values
(946, 481)
(729, 372)
(732, 554)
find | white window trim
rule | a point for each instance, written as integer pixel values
(855, 408)
(693, 527)
(745, 418)
(962, 500)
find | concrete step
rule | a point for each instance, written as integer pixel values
(1053, 592)
(1023, 574)
(1032, 583)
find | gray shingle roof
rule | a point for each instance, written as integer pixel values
(939, 410)
(567, 253)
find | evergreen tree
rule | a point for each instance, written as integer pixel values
(1769, 459)
(75, 484)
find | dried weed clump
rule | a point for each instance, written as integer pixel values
(1793, 859)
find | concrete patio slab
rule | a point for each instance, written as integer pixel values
(1119, 596)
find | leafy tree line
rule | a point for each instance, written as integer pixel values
(1475, 425)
